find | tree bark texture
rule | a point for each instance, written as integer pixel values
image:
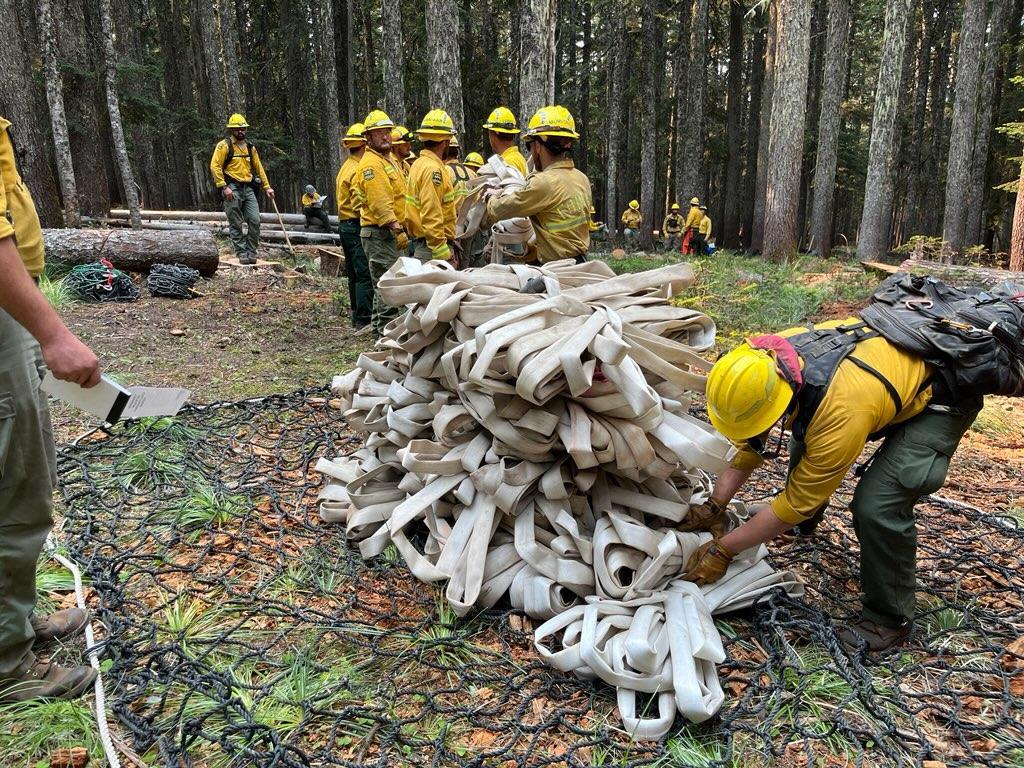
(833, 81)
(124, 166)
(786, 144)
(444, 76)
(216, 83)
(692, 126)
(1017, 233)
(876, 215)
(393, 65)
(937, 98)
(228, 23)
(614, 118)
(680, 75)
(133, 250)
(730, 218)
(965, 116)
(755, 79)
(534, 59)
(58, 120)
(764, 134)
(328, 78)
(648, 133)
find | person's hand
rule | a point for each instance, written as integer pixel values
(228, 194)
(70, 360)
(270, 192)
(709, 516)
(709, 563)
(401, 240)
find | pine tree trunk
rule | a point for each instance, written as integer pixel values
(680, 74)
(976, 188)
(764, 133)
(755, 80)
(444, 75)
(691, 181)
(393, 65)
(350, 63)
(583, 124)
(786, 145)
(215, 81)
(328, 79)
(534, 58)
(876, 216)
(965, 116)
(648, 130)
(58, 121)
(938, 98)
(1017, 234)
(833, 82)
(734, 112)
(228, 23)
(617, 73)
(918, 144)
(124, 166)
(551, 45)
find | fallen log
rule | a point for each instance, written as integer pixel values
(961, 273)
(268, 233)
(133, 250)
(154, 215)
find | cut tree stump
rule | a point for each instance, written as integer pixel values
(332, 262)
(133, 250)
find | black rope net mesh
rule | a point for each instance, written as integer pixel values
(244, 632)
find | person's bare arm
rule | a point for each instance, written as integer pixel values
(728, 483)
(67, 357)
(761, 528)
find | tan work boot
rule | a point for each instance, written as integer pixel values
(59, 625)
(877, 637)
(43, 680)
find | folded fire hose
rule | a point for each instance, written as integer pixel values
(538, 446)
(509, 237)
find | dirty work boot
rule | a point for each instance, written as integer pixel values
(43, 680)
(876, 637)
(59, 625)
(246, 258)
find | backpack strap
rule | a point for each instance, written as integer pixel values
(250, 148)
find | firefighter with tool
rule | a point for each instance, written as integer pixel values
(430, 212)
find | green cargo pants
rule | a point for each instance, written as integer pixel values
(243, 209)
(27, 477)
(381, 252)
(911, 463)
(317, 216)
(360, 286)
(418, 249)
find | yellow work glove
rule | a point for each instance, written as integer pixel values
(709, 563)
(402, 242)
(709, 516)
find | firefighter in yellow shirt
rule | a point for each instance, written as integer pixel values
(502, 131)
(239, 175)
(834, 386)
(313, 208)
(631, 220)
(360, 286)
(557, 196)
(672, 228)
(700, 241)
(472, 251)
(692, 226)
(401, 148)
(380, 189)
(431, 201)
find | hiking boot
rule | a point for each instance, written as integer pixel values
(247, 258)
(43, 680)
(876, 637)
(59, 625)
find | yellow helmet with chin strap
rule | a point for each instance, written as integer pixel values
(554, 120)
(354, 135)
(634, 204)
(473, 160)
(501, 120)
(377, 119)
(437, 125)
(237, 120)
(746, 393)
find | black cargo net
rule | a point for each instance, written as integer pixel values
(244, 632)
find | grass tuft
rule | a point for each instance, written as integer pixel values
(206, 508)
(57, 292)
(34, 729)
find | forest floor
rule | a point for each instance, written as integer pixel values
(255, 333)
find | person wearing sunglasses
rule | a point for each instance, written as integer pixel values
(833, 387)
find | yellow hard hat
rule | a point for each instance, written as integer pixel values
(354, 135)
(675, 206)
(377, 119)
(746, 394)
(237, 121)
(634, 204)
(501, 120)
(473, 160)
(454, 142)
(401, 135)
(593, 210)
(552, 121)
(437, 125)
(694, 201)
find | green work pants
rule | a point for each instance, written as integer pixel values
(317, 216)
(360, 286)
(27, 476)
(381, 252)
(911, 463)
(419, 249)
(244, 208)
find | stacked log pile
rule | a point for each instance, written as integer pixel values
(537, 446)
(217, 222)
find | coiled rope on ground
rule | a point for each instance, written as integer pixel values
(99, 281)
(172, 281)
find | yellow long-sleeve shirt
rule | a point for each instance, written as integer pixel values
(673, 224)
(430, 212)
(380, 189)
(311, 201)
(515, 158)
(632, 218)
(855, 406)
(558, 202)
(344, 194)
(18, 215)
(705, 227)
(693, 217)
(240, 168)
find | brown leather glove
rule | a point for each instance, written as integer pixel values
(709, 516)
(709, 563)
(401, 242)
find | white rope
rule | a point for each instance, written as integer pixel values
(102, 725)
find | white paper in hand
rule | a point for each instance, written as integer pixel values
(110, 401)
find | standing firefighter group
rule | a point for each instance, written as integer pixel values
(690, 235)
